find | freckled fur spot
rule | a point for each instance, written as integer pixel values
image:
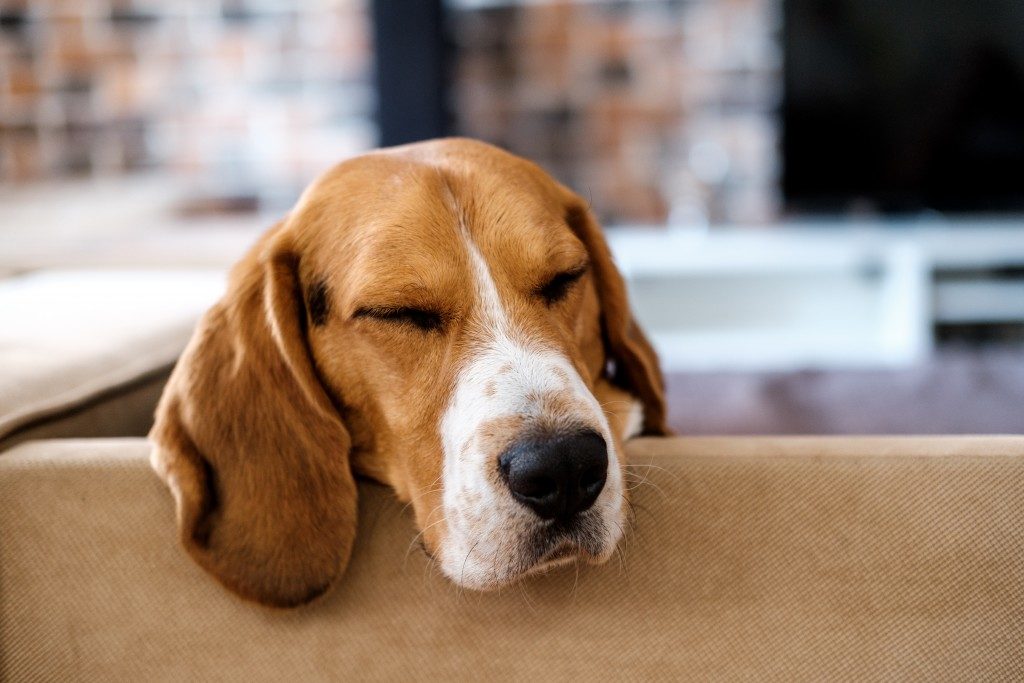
(560, 374)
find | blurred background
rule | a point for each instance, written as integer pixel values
(818, 204)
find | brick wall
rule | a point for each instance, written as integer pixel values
(650, 109)
(655, 110)
(237, 95)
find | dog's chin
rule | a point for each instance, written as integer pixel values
(563, 555)
(540, 551)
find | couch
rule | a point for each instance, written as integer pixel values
(759, 558)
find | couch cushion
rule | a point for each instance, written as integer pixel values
(791, 559)
(84, 353)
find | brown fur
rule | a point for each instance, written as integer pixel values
(267, 416)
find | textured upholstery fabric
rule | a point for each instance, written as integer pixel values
(73, 340)
(751, 559)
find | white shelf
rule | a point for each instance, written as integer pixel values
(945, 243)
(979, 302)
(777, 300)
(776, 350)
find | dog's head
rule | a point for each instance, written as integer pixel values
(442, 317)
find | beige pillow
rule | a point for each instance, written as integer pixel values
(85, 353)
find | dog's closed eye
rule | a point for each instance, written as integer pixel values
(558, 287)
(420, 318)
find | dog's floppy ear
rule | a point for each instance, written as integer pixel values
(252, 447)
(633, 358)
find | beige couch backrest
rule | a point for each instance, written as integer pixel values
(756, 559)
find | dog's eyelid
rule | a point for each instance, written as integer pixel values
(390, 311)
(580, 269)
(568, 274)
(557, 286)
(426, 319)
(318, 305)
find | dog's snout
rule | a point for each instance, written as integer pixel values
(557, 477)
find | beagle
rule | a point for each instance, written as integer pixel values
(442, 317)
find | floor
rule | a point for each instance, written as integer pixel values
(962, 390)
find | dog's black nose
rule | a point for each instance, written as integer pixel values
(556, 477)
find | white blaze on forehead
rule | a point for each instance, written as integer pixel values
(490, 301)
(504, 376)
(516, 372)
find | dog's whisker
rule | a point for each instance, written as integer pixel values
(420, 495)
(462, 576)
(646, 482)
(614, 402)
(418, 537)
(617, 550)
(575, 581)
(530, 605)
(637, 506)
(422, 531)
(631, 517)
(652, 466)
(621, 557)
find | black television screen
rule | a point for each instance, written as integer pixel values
(903, 105)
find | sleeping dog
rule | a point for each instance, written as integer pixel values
(442, 317)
